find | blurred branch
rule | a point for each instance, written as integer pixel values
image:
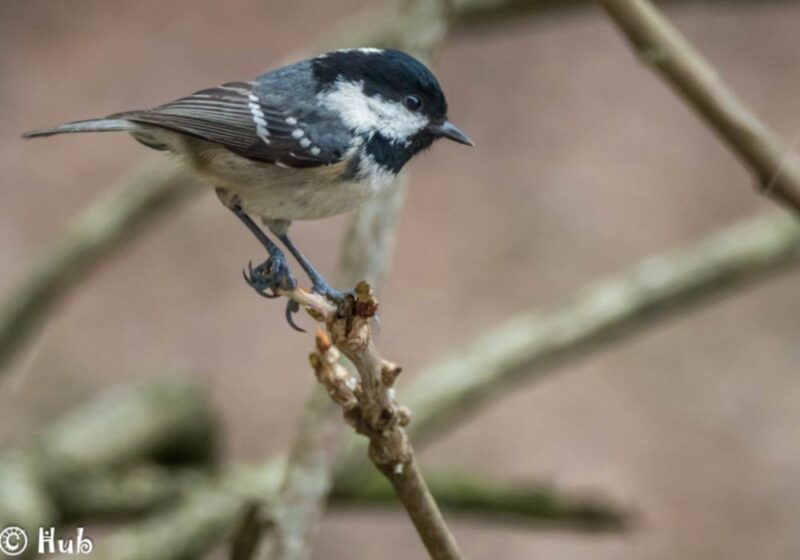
(166, 419)
(659, 287)
(661, 46)
(99, 231)
(461, 492)
(198, 523)
(146, 489)
(531, 344)
(125, 492)
(378, 27)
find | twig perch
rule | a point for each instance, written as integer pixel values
(370, 408)
(662, 47)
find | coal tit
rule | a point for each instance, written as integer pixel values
(307, 141)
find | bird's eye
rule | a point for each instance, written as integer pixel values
(413, 103)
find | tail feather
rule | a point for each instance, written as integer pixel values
(91, 125)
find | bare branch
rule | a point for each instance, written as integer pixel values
(199, 522)
(378, 27)
(660, 45)
(462, 492)
(369, 406)
(108, 224)
(141, 490)
(530, 345)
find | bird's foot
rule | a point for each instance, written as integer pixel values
(271, 276)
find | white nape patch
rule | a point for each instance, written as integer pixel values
(291, 121)
(298, 133)
(258, 118)
(305, 142)
(365, 50)
(366, 114)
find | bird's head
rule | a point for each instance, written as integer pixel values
(387, 97)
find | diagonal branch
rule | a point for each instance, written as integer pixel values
(532, 344)
(660, 45)
(150, 191)
(370, 408)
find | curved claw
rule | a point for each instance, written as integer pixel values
(293, 307)
(248, 278)
(274, 275)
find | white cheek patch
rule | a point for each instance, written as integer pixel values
(366, 114)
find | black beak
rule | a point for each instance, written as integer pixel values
(451, 131)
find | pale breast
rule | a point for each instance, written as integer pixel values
(271, 192)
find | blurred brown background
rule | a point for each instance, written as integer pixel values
(585, 163)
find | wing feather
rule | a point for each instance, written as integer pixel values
(234, 116)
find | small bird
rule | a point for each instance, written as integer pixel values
(306, 141)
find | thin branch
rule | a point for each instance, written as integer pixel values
(660, 45)
(378, 27)
(148, 489)
(532, 344)
(150, 191)
(467, 493)
(369, 406)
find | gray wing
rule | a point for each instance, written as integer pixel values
(238, 118)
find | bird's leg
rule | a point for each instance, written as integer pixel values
(273, 274)
(318, 283)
